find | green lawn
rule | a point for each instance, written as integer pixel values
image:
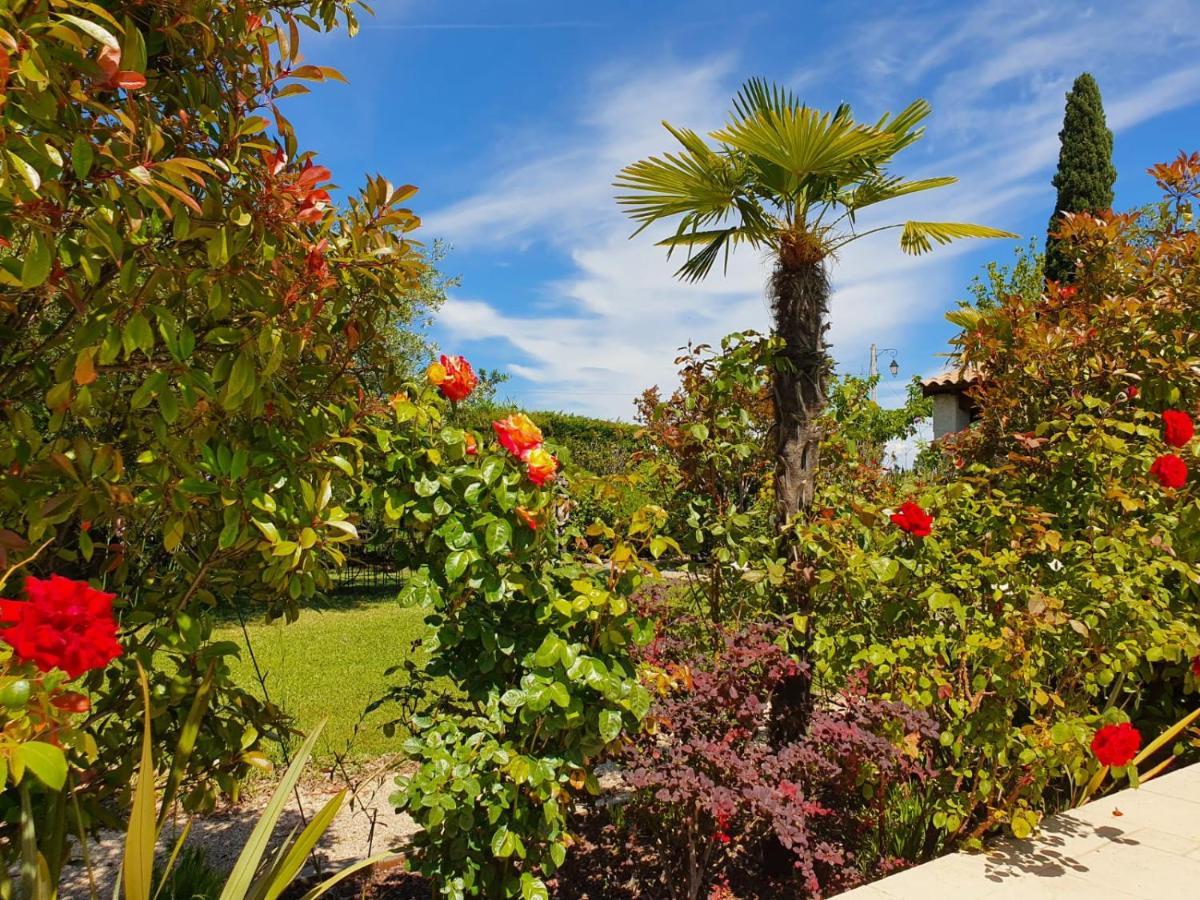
(331, 663)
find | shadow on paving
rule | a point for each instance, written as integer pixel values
(1043, 857)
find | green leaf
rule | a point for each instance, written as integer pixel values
(491, 468)
(277, 879)
(532, 888)
(557, 691)
(547, 653)
(456, 564)
(38, 262)
(342, 463)
(503, 842)
(138, 865)
(345, 873)
(138, 334)
(103, 35)
(187, 740)
(238, 884)
(45, 761)
(27, 172)
(919, 237)
(497, 535)
(610, 725)
(81, 157)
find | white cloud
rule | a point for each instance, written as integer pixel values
(610, 327)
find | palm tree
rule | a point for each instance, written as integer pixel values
(791, 180)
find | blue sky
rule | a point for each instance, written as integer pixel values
(513, 119)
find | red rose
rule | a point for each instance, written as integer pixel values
(64, 624)
(1116, 745)
(1131, 391)
(1177, 427)
(1170, 470)
(453, 376)
(913, 520)
(1196, 666)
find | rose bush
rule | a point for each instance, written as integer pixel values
(1060, 580)
(535, 645)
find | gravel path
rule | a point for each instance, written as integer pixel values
(366, 824)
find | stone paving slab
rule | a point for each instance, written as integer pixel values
(1133, 844)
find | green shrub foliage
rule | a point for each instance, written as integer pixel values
(535, 644)
(186, 326)
(1057, 589)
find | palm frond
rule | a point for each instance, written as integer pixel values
(714, 243)
(904, 124)
(697, 183)
(880, 188)
(919, 237)
(698, 265)
(806, 142)
(759, 96)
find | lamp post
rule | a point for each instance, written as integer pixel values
(893, 367)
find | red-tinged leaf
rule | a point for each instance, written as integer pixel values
(311, 176)
(292, 90)
(109, 61)
(130, 81)
(310, 73)
(183, 196)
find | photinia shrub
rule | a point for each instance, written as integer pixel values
(192, 340)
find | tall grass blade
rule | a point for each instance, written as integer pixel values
(242, 876)
(143, 827)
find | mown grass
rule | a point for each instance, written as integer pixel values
(331, 662)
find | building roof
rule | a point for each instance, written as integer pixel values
(952, 381)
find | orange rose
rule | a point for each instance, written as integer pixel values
(453, 376)
(472, 447)
(541, 465)
(518, 435)
(527, 517)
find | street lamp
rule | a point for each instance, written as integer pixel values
(893, 367)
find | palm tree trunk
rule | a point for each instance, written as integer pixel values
(800, 303)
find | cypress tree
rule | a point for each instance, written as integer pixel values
(1085, 173)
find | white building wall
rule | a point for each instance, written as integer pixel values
(948, 415)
